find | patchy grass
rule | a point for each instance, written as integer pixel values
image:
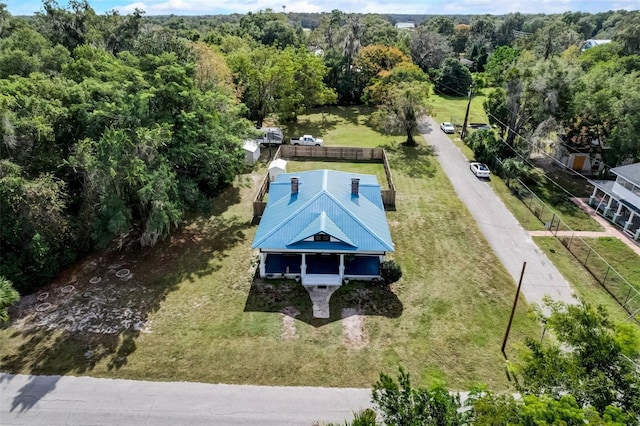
(581, 280)
(206, 318)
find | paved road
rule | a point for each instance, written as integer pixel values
(511, 243)
(55, 400)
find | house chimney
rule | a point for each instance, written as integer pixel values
(355, 186)
(294, 185)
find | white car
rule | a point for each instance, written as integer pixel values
(447, 127)
(480, 170)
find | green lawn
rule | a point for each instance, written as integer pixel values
(453, 109)
(582, 281)
(209, 321)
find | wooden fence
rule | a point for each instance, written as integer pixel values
(347, 153)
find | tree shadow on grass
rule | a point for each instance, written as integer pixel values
(415, 162)
(359, 297)
(94, 312)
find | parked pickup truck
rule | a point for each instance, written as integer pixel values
(307, 140)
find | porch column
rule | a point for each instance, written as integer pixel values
(303, 266)
(592, 199)
(263, 266)
(618, 212)
(628, 224)
(637, 236)
(608, 208)
(341, 267)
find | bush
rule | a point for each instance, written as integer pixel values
(390, 271)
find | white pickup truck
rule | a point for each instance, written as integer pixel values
(307, 140)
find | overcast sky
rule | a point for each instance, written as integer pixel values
(423, 7)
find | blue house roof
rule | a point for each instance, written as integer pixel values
(324, 204)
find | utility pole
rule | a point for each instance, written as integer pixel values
(513, 310)
(463, 133)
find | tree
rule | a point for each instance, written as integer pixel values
(429, 49)
(487, 148)
(454, 79)
(374, 59)
(591, 361)
(406, 104)
(499, 62)
(496, 108)
(378, 91)
(378, 30)
(8, 296)
(442, 25)
(35, 237)
(628, 34)
(513, 169)
(403, 405)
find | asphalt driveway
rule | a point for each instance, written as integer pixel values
(511, 243)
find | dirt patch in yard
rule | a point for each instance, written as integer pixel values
(289, 331)
(353, 333)
(100, 295)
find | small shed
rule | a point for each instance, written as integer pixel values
(277, 167)
(252, 151)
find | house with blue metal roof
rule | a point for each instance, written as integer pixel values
(323, 227)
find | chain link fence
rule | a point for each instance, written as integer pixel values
(626, 294)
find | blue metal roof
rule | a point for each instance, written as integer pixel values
(324, 204)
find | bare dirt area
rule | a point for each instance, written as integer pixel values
(289, 331)
(99, 295)
(106, 293)
(353, 334)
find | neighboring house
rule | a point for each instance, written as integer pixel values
(252, 151)
(593, 43)
(405, 26)
(619, 200)
(323, 227)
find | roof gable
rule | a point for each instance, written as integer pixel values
(324, 203)
(322, 224)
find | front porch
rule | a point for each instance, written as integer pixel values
(615, 209)
(324, 269)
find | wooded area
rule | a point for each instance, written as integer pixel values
(113, 127)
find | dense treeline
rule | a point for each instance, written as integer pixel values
(112, 127)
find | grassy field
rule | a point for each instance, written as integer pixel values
(207, 319)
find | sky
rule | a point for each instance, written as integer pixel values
(422, 7)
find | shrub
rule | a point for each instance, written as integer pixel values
(390, 271)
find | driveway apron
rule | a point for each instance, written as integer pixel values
(511, 243)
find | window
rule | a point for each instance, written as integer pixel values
(321, 237)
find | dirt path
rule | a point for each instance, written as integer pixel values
(289, 331)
